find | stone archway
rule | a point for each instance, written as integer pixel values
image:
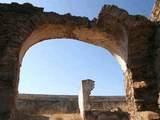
(114, 30)
(62, 57)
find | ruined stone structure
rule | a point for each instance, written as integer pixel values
(65, 104)
(133, 40)
(81, 107)
(89, 112)
(84, 96)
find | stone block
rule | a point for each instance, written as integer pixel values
(149, 115)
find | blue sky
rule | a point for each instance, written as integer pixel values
(89, 8)
(58, 66)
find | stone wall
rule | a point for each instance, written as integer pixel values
(155, 16)
(157, 65)
(65, 104)
(131, 39)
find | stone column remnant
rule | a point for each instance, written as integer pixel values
(84, 96)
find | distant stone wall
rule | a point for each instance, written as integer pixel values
(108, 102)
(55, 104)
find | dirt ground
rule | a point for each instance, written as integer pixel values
(64, 117)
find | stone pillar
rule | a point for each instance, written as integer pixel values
(8, 90)
(83, 98)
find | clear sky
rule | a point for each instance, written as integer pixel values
(58, 66)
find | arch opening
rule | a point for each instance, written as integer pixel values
(57, 67)
(65, 62)
(117, 46)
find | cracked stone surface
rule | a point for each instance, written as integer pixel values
(133, 40)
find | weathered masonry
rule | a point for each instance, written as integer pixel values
(61, 105)
(54, 104)
(89, 112)
(133, 40)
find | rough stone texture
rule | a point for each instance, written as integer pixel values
(84, 100)
(89, 112)
(47, 104)
(155, 16)
(157, 65)
(148, 115)
(55, 105)
(108, 103)
(131, 39)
